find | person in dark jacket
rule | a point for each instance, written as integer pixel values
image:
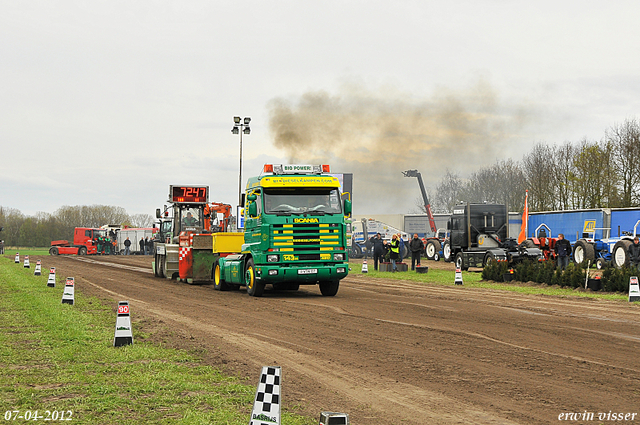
(634, 253)
(415, 246)
(141, 243)
(377, 246)
(127, 245)
(563, 250)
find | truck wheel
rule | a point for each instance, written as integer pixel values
(329, 289)
(356, 251)
(488, 258)
(583, 251)
(460, 262)
(53, 251)
(446, 251)
(254, 288)
(218, 283)
(82, 250)
(620, 255)
(433, 247)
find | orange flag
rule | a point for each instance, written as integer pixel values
(525, 217)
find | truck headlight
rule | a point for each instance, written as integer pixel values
(272, 258)
(273, 272)
(338, 257)
(341, 270)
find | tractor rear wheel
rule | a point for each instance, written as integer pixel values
(583, 251)
(620, 255)
(432, 248)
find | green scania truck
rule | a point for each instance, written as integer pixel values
(294, 232)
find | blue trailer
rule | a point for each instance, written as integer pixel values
(601, 236)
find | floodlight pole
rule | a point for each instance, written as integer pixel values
(240, 126)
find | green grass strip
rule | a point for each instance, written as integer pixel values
(474, 280)
(58, 358)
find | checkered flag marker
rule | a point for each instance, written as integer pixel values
(266, 408)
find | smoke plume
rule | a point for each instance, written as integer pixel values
(378, 135)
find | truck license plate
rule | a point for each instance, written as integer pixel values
(308, 271)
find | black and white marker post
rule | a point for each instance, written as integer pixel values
(51, 282)
(266, 407)
(634, 289)
(123, 335)
(26, 262)
(17, 258)
(68, 296)
(38, 270)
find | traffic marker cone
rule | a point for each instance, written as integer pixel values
(26, 262)
(266, 407)
(634, 289)
(17, 257)
(51, 282)
(38, 271)
(123, 335)
(365, 267)
(458, 280)
(68, 296)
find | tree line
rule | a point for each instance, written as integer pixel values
(41, 229)
(583, 175)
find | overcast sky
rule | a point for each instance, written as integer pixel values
(110, 102)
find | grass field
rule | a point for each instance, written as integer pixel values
(473, 279)
(59, 359)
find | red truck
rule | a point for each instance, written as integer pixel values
(83, 244)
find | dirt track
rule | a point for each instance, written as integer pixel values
(392, 352)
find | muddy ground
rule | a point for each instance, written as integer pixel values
(393, 351)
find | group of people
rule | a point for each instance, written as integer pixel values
(105, 245)
(395, 250)
(146, 246)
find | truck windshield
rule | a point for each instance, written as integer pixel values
(191, 217)
(313, 201)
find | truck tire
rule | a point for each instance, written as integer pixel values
(254, 288)
(460, 262)
(218, 283)
(620, 254)
(446, 251)
(53, 251)
(432, 248)
(82, 250)
(583, 251)
(488, 258)
(330, 288)
(356, 251)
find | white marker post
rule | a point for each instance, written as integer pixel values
(266, 407)
(26, 262)
(123, 335)
(458, 279)
(38, 271)
(51, 282)
(68, 296)
(634, 289)
(17, 258)
(365, 267)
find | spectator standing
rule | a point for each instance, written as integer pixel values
(402, 247)
(634, 254)
(377, 246)
(146, 245)
(394, 252)
(563, 249)
(141, 243)
(127, 244)
(415, 246)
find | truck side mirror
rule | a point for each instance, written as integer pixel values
(242, 200)
(347, 207)
(158, 213)
(253, 208)
(251, 197)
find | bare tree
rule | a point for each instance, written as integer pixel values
(538, 167)
(447, 192)
(141, 220)
(625, 140)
